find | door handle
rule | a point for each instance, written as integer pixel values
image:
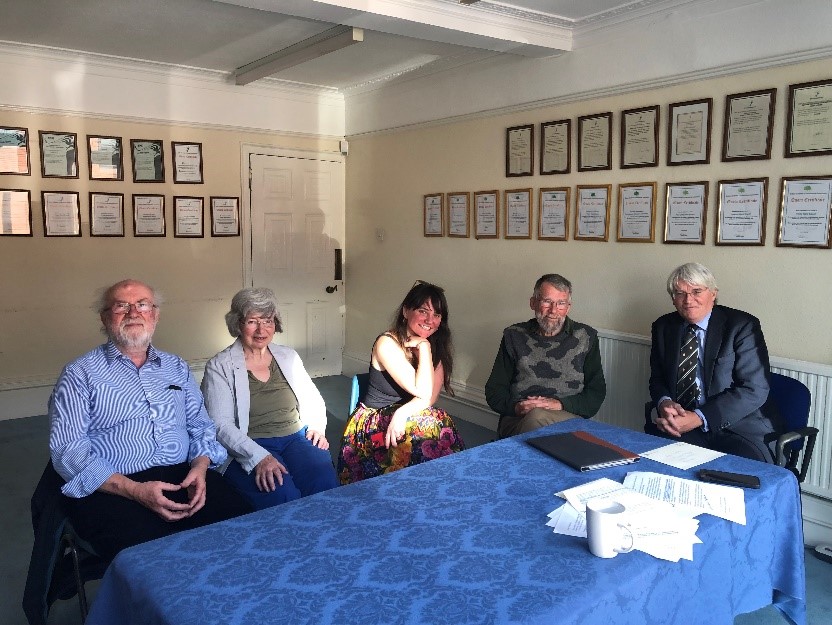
(332, 289)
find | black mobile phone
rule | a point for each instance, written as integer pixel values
(731, 479)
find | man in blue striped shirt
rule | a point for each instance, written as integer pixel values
(131, 436)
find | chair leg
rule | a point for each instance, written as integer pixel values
(79, 584)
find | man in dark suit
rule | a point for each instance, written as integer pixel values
(712, 393)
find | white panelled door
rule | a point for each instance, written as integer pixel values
(297, 229)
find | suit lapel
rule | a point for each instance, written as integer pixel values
(713, 341)
(673, 341)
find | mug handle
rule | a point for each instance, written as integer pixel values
(632, 539)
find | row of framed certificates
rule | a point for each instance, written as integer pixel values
(59, 157)
(62, 214)
(747, 133)
(803, 220)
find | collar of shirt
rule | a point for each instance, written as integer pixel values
(112, 353)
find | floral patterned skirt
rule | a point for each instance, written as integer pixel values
(427, 435)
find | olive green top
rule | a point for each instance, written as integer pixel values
(274, 406)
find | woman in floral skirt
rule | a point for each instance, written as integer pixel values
(395, 425)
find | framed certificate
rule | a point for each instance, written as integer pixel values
(149, 215)
(487, 215)
(520, 151)
(741, 218)
(592, 212)
(595, 142)
(15, 213)
(14, 151)
(434, 207)
(518, 203)
(555, 147)
(188, 216)
(689, 132)
(553, 214)
(225, 216)
(105, 158)
(686, 212)
(106, 214)
(636, 212)
(805, 206)
(58, 154)
(187, 162)
(809, 119)
(148, 160)
(749, 118)
(61, 213)
(640, 137)
(458, 211)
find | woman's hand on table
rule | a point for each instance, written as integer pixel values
(267, 472)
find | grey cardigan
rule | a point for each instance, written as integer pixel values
(225, 387)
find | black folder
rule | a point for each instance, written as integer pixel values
(583, 451)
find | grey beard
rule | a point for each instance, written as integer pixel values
(548, 327)
(132, 341)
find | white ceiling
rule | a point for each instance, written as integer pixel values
(400, 36)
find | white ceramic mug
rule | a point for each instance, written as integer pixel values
(606, 529)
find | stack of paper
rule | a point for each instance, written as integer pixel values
(660, 510)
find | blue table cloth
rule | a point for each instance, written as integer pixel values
(462, 539)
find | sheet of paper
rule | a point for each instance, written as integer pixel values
(579, 495)
(682, 455)
(726, 502)
(568, 521)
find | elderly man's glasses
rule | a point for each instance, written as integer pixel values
(259, 323)
(122, 308)
(694, 293)
(560, 304)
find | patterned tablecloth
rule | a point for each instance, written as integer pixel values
(462, 540)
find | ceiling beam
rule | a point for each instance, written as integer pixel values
(323, 43)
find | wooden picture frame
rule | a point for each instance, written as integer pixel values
(805, 212)
(225, 216)
(636, 212)
(15, 213)
(187, 162)
(595, 142)
(689, 132)
(487, 214)
(106, 214)
(148, 158)
(434, 214)
(149, 215)
(61, 213)
(809, 119)
(556, 147)
(592, 212)
(748, 124)
(459, 210)
(553, 214)
(188, 216)
(14, 151)
(518, 213)
(105, 157)
(686, 212)
(741, 215)
(640, 137)
(58, 154)
(520, 151)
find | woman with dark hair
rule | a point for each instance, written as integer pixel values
(395, 425)
(268, 412)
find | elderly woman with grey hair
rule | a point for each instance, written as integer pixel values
(268, 412)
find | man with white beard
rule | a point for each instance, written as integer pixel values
(131, 437)
(548, 369)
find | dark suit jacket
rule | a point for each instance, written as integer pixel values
(736, 370)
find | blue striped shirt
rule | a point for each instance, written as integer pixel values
(109, 416)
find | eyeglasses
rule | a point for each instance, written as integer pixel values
(258, 323)
(560, 304)
(122, 308)
(694, 293)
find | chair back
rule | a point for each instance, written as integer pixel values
(360, 382)
(792, 400)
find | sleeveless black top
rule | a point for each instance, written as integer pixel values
(383, 391)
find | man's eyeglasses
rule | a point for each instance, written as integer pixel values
(694, 293)
(560, 304)
(122, 308)
(257, 323)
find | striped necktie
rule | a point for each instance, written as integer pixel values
(687, 390)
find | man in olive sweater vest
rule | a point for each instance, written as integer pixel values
(548, 369)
